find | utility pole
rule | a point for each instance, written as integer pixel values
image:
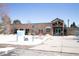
(68, 23)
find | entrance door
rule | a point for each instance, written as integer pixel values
(58, 31)
(26, 31)
(15, 31)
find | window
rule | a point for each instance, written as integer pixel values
(48, 30)
(40, 30)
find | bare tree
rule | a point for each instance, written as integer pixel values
(3, 11)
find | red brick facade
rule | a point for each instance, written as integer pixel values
(34, 28)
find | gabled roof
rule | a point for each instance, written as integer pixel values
(57, 19)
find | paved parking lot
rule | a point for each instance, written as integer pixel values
(51, 47)
(27, 52)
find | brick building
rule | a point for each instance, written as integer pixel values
(54, 27)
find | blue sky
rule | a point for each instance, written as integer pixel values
(36, 13)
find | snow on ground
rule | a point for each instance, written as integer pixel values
(47, 42)
(21, 40)
(35, 40)
(6, 50)
(69, 44)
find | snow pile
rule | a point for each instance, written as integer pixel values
(6, 50)
(6, 38)
(32, 39)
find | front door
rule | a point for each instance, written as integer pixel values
(58, 31)
(26, 31)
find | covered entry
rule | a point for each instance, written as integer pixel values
(57, 31)
(57, 26)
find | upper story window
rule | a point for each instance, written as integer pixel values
(57, 23)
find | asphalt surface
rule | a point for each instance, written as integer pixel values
(27, 52)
